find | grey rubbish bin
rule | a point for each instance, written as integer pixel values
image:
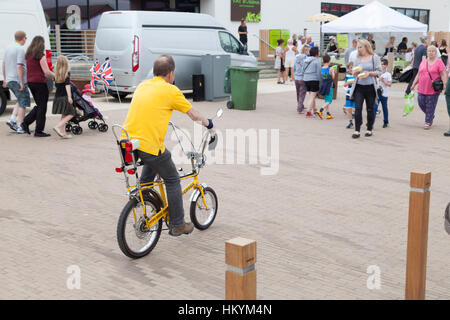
(213, 67)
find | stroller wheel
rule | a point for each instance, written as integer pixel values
(103, 127)
(92, 125)
(68, 127)
(77, 130)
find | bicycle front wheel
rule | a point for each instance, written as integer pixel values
(134, 238)
(201, 217)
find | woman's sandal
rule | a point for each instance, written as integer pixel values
(356, 135)
(368, 134)
(58, 132)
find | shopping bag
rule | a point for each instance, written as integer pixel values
(409, 104)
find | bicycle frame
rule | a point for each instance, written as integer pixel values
(136, 191)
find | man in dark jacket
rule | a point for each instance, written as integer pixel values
(242, 30)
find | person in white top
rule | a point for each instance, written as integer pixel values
(353, 56)
(290, 52)
(385, 83)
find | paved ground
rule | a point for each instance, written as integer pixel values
(335, 207)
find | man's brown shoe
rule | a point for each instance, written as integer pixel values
(184, 229)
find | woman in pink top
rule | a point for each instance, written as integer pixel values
(447, 96)
(430, 70)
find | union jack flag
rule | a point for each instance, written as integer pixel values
(95, 74)
(106, 74)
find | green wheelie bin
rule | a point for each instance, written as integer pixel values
(244, 85)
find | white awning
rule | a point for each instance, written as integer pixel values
(374, 17)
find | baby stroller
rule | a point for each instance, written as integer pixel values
(85, 112)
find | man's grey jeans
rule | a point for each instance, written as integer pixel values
(164, 166)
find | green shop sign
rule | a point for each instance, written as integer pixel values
(274, 35)
(249, 10)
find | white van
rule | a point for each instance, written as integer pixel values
(133, 39)
(26, 15)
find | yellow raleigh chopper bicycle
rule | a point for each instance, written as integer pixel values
(141, 221)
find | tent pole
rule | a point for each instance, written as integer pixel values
(321, 39)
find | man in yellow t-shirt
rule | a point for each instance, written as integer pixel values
(147, 120)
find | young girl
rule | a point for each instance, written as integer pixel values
(290, 52)
(63, 103)
(279, 52)
(326, 87)
(349, 104)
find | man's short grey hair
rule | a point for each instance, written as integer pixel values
(163, 65)
(423, 39)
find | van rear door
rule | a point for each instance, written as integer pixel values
(117, 40)
(185, 44)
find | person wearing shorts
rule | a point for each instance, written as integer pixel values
(312, 86)
(279, 55)
(326, 89)
(290, 52)
(14, 75)
(311, 77)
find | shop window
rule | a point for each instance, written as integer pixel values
(96, 8)
(72, 14)
(123, 5)
(161, 5)
(409, 13)
(188, 5)
(345, 8)
(423, 16)
(335, 7)
(49, 7)
(342, 9)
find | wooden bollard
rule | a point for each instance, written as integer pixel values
(240, 276)
(416, 256)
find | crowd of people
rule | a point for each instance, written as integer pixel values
(367, 80)
(25, 71)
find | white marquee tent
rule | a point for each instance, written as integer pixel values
(374, 17)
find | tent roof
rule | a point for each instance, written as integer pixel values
(374, 17)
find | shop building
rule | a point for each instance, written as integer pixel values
(262, 14)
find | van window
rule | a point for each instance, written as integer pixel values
(229, 43)
(113, 39)
(235, 44)
(225, 41)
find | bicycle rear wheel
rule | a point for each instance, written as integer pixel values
(134, 238)
(200, 216)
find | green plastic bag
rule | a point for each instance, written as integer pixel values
(409, 104)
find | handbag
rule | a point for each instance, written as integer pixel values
(438, 85)
(379, 91)
(379, 88)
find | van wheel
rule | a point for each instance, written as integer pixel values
(3, 101)
(116, 95)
